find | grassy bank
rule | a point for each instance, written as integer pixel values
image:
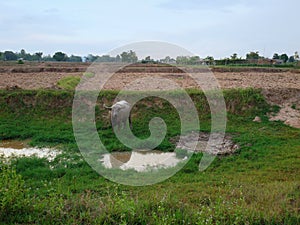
(257, 185)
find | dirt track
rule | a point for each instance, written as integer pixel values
(281, 87)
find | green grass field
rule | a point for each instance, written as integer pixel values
(259, 184)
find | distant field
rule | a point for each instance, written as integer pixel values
(46, 75)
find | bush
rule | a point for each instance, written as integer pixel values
(13, 194)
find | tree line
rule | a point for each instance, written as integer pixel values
(38, 56)
(131, 57)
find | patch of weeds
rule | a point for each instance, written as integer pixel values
(68, 83)
(13, 194)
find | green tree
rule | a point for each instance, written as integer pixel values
(284, 57)
(147, 60)
(60, 56)
(234, 56)
(118, 58)
(91, 58)
(253, 55)
(9, 55)
(275, 56)
(124, 57)
(291, 59)
(296, 56)
(129, 57)
(194, 60)
(47, 58)
(133, 57)
(74, 58)
(23, 54)
(106, 58)
(39, 55)
(167, 59)
(182, 59)
(209, 60)
(26, 56)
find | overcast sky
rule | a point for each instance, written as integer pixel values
(204, 27)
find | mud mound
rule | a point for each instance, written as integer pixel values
(282, 96)
(289, 102)
(288, 115)
(201, 140)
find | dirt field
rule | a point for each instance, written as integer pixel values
(280, 86)
(46, 75)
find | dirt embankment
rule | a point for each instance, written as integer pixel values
(282, 89)
(280, 86)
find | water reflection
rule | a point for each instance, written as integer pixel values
(140, 160)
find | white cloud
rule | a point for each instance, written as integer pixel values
(218, 28)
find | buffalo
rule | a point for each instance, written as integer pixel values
(120, 112)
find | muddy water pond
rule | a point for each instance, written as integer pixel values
(149, 160)
(17, 148)
(141, 161)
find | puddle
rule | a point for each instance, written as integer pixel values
(14, 148)
(140, 161)
(151, 160)
(15, 144)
